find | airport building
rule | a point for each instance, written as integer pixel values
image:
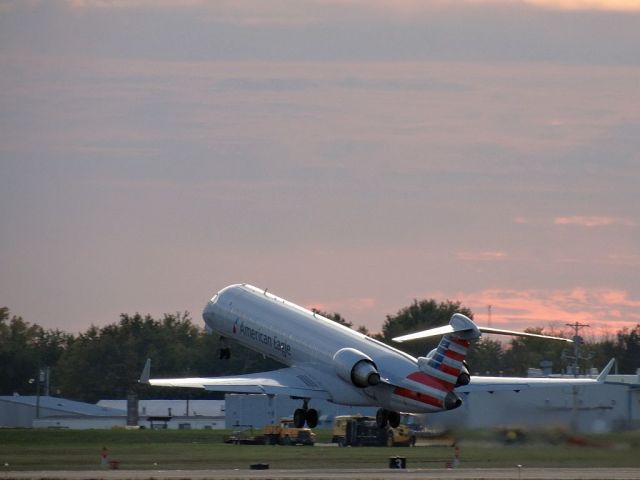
(596, 408)
(259, 410)
(585, 408)
(612, 406)
(25, 411)
(176, 414)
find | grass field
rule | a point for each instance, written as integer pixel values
(204, 449)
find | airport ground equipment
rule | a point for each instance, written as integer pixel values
(286, 433)
(244, 436)
(360, 430)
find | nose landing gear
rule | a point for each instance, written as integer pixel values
(224, 353)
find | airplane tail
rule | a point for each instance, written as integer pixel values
(444, 367)
(447, 362)
(439, 373)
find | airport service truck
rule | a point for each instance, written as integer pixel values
(285, 433)
(361, 430)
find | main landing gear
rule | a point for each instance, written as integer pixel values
(305, 414)
(384, 417)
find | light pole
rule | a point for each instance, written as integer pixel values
(577, 340)
(38, 382)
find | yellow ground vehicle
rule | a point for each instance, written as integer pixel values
(360, 430)
(285, 433)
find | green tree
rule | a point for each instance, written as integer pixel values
(106, 362)
(628, 349)
(528, 352)
(26, 348)
(363, 330)
(335, 316)
(486, 357)
(600, 352)
(420, 315)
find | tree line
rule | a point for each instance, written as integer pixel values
(105, 362)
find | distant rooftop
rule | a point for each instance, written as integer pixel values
(212, 408)
(63, 405)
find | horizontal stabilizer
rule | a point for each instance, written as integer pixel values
(459, 324)
(464, 327)
(498, 331)
(432, 332)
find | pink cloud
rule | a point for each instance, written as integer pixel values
(79, 4)
(606, 310)
(486, 256)
(405, 8)
(593, 221)
(627, 260)
(615, 5)
(619, 298)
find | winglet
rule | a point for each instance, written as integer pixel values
(146, 372)
(605, 371)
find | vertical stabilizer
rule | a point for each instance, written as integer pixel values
(446, 361)
(443, 368)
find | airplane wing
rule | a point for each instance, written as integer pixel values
(291, 381)
(496, 384)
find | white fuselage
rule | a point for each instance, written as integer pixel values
(297, 337)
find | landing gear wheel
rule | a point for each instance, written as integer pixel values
(299, 417)
(394, 419)
(382, 417)
(312, 418)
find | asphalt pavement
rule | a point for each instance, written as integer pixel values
(338, 474)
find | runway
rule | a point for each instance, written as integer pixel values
(338, 474)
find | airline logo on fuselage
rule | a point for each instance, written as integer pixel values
(280, 346)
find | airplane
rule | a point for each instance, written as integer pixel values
(328, 361)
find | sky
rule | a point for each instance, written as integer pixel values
(348, 155)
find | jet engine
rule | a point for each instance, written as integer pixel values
(355, 367)
(464, 378)
(451, 401)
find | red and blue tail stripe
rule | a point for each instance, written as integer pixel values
(438, 374)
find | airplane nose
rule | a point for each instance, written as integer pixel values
(208, 314)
